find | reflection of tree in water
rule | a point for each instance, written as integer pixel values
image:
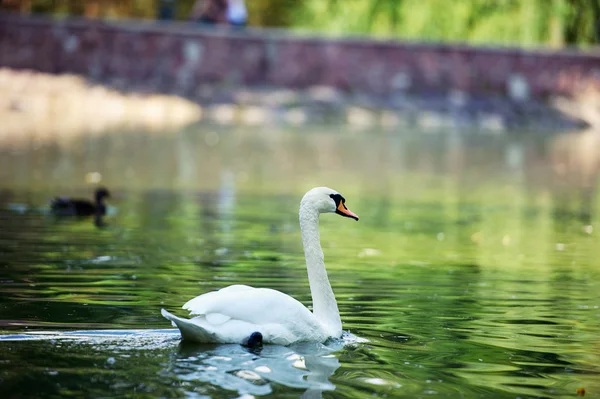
(156, 208)
(34, 249)
(575, 165)
(214, 225)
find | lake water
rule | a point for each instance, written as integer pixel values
(473, 271)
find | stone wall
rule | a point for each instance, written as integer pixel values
(178, 57)
(246, 76)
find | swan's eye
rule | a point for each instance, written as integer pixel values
(337, 198)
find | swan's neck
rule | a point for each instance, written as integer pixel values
(324, 304)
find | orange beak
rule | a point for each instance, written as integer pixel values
(342, 210)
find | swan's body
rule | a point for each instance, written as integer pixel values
(234, 313)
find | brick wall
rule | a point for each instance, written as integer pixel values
(178, 57)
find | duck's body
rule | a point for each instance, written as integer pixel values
(234, 313)
(76, 207)
(62, 206)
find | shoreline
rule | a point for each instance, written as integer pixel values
(67, 104)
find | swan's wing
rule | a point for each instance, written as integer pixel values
(233, 313)
(200, 330)
(258, 306)
(198, 305)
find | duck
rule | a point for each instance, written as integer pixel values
(62, 206)
(240, 313)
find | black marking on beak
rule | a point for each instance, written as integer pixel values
(340, 207)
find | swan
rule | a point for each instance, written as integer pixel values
(239, 313)
(62, 206)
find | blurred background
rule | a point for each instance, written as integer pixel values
(554, 23)
(464, 134)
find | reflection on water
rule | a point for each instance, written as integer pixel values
(186, 367)
(233, 367)
(472, 272)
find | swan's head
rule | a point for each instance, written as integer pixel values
(326, 200)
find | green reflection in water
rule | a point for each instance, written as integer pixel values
(473, 269)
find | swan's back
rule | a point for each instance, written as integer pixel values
(253, 305)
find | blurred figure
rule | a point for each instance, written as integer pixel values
(63, 206)
(166, 10)
(237, 14)
(23, 6)
(209, 11)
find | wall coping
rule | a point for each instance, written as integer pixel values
(274, 34)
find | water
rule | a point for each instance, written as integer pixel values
(472, 271)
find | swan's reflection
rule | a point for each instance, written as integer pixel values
(232, 367)
(251, 371)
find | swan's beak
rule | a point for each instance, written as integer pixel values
(342, 210)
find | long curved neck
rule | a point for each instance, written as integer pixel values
(324, 304)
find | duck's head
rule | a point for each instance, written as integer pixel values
(102, 193)
(327, 200)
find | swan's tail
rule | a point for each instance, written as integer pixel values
(190, 331)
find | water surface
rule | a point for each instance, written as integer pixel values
(472, 272)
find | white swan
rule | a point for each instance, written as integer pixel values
(234, 313)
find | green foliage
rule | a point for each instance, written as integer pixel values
(524, 22)
(514, 22)
(271, 12)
